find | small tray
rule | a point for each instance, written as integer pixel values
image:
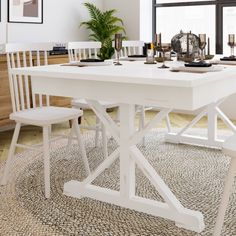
(82, 64)
(229, 63)
(197, 69)
(133, 59)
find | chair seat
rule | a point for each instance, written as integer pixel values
(45, 115)
(81, 103)
(229, 147)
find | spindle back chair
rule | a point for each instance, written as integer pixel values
(83, 50)
(31, 110)
(24, 55)
(131, 48)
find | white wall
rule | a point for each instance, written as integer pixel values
(3, 21)
(61, 23)
(128, 10)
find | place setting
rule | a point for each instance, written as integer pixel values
(228, 60)
(191, 50)
(89, 62)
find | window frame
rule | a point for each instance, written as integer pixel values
(219, 6)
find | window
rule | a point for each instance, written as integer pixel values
(215, 18)
(229, 27)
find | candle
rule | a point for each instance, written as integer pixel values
(6, 38)
(208, 47)
(187, 44)
(118, 42)
(202, 38)
(231, 39)
(158, 39)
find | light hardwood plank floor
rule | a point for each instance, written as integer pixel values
(31, 135)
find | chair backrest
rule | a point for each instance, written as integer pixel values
(131, 48)
(83, 50)
(25, 55)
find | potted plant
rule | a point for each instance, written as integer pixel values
(103, 27)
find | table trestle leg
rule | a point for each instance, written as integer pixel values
(105, 119)
(212, 111)
(130, 156)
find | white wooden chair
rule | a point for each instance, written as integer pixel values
(85, 50)
(32, 109)
(130, 47)
(229, 148)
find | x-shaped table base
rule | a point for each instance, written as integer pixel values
(129, 156)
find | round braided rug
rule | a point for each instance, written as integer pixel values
(194, 174)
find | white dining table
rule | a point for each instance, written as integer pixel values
(131, 84)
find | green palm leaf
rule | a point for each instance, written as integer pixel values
(103, 27)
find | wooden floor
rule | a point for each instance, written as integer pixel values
(31, 135)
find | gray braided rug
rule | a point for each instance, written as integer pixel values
(194, 174)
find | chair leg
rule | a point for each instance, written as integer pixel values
(81, 145)
(142, 122)
(70, 139)
(225, 198)
(11, 154)
(46, 157)
(98, 124)
(50, 131)
(118, 114)
(168, 123)
(104, 142)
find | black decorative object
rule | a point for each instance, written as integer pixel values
(58, 50)
(186, 45)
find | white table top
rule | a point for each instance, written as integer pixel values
(132, 73)
(134, 83)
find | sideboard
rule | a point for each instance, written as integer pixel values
(5, 98)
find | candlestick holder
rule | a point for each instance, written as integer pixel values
(163, 48)
(202, 45)
(231, 43)
(118, 48)
(208, 56)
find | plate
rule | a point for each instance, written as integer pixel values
(81, 64)
(230, 63)
(228, 59)
(197, 69)
(104, 63)
(133, 59)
